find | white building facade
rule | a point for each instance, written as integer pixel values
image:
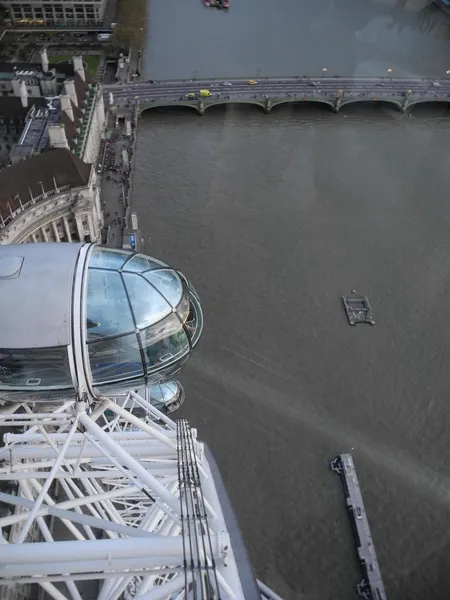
(51, 12)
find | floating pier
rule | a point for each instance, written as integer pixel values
(358, 309)
(371, 587)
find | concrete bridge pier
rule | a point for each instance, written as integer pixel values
(338, 101)
(405, 102)
(201, 107)
(267, 105)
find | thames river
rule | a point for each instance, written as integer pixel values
(274, 218)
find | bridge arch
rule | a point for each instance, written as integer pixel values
(373, 101)
(302, 101)
(149, 105)
(436, 101)
(252, 102)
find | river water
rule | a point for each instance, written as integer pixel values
(274, 217)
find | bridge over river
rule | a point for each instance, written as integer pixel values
(336, 92)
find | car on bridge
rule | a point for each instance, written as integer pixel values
(252, 82)
(201, 94)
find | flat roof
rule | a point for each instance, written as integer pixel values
(36, 304)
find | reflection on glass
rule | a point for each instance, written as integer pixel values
(194, 320)
(139, 264)
(164, 342)
(108, 259)
(115, 359)
(124, 385)
(108, 310)
(166, 397)
(167, 372)
(168, 283)
(147, 303)
(164, 392)
(131, 300)
(183, 308)
(43, 368)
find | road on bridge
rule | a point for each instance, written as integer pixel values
(348, 87)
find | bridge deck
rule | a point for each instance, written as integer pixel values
(348, 85)
(403, 92)
(371, 587)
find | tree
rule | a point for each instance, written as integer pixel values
(131, 16)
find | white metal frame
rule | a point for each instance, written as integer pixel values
(99, 497)
(79, 319)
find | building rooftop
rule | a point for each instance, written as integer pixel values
(46, 112)
(63, 68)
(35, 135)
(40, 174)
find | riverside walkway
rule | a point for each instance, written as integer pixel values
(336, 92)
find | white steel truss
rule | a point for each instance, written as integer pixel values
(98, 503)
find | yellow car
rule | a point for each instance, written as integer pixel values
(205, 93)
(252, 82)
(190, 96)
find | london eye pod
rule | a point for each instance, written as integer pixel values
(102, 495)
(92, 321)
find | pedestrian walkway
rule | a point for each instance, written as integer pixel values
(114, 171)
